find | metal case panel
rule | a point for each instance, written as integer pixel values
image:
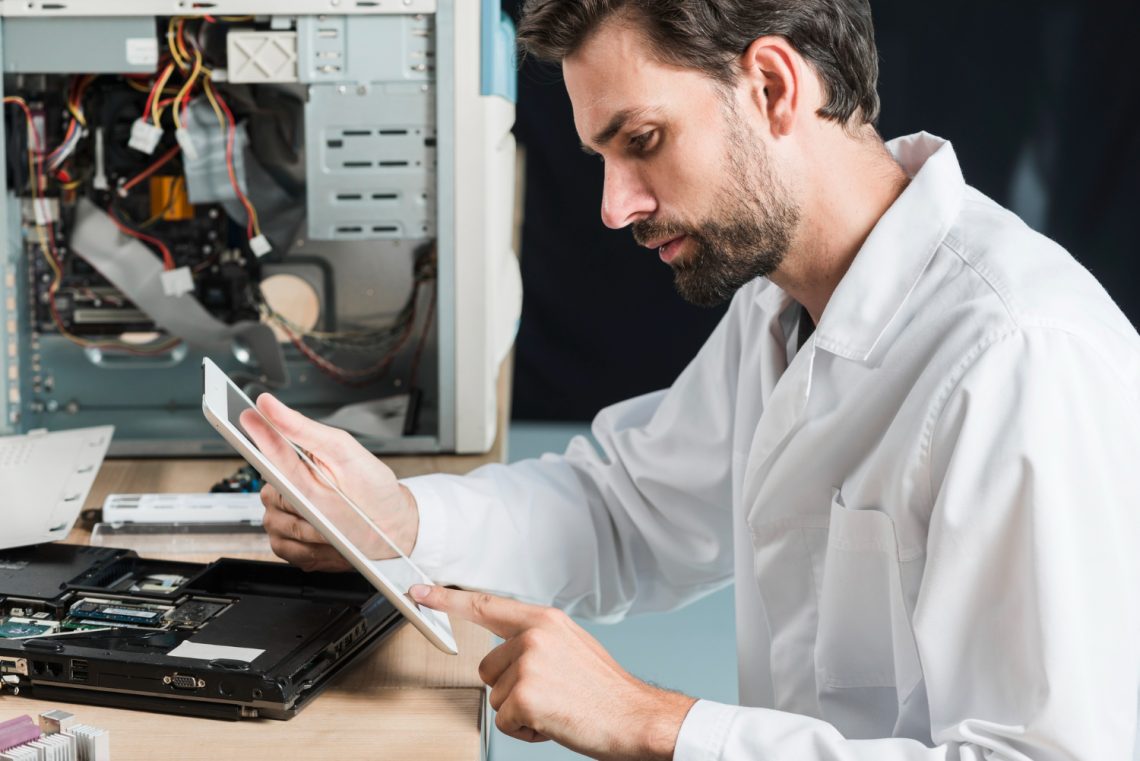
(370, 161)
(91, 45)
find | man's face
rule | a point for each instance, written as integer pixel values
(684, 169)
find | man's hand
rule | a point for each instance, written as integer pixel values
(552, 680)
(352, 468)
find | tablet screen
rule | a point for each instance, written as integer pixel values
(334, 505)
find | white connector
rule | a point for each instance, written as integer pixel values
(144, 136)
(177, 282)
(45, 211)
(260, 246)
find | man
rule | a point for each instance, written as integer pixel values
(909, 441)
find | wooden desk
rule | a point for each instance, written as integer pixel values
(406, 701)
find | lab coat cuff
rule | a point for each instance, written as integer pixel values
(704, 731)
(428, 552)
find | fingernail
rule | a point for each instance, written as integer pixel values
(419, 591)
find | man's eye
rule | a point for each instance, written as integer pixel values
(643, 142)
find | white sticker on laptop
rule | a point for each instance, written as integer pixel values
(203, 652)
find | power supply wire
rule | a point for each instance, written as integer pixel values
(226, 121)
(38, 185)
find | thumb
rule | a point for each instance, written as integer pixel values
(322, 440)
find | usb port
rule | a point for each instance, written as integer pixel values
(78, 670)
(14, 666)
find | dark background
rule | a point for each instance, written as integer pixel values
(1041, 100)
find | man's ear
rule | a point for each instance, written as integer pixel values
(773, 71)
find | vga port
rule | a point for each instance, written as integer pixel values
(182, 681)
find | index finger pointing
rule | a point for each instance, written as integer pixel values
(501, 616)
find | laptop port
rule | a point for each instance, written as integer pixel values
(78, 670)
(14, 666)
(54, 669)
(183, 682)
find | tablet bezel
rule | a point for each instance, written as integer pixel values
(215, 406)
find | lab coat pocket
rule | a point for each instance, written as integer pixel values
(866, 659)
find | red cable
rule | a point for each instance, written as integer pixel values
(158, 164)
(181, 39)
(154, 92)
(52, 251)
(67, 136)
(40, 180)
(230, 130)
(34, 137)
(345, 377)
(150, 100)
(167, 257)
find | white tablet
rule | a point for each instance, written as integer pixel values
(222, 404)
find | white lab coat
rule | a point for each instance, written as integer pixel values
(930, 512)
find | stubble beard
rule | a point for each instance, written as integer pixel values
(747, 234)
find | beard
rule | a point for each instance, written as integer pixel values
(747, 234)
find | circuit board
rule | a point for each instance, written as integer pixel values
(17, 627)
(93, 613)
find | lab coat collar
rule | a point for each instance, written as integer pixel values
(888, 266)
(770, 297)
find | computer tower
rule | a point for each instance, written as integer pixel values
(317, 194)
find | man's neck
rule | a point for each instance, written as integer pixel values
(851, 184)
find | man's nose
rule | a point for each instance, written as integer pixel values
(625, 197)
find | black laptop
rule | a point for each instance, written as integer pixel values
(233, 639)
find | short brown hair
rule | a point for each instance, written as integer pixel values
(835, 36)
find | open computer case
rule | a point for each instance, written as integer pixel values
(317, 194)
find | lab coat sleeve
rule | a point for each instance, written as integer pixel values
(643, 524)
(1026, 621)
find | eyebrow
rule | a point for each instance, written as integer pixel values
(616, 124)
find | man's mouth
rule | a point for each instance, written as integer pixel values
(669, 249)
(666, 239)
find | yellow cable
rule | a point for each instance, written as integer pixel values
(186, 88)
(76, 107)
(45, 250)
(172, 45)
(208, 86)
(178, 41)
(57, 274)
(156, 109)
